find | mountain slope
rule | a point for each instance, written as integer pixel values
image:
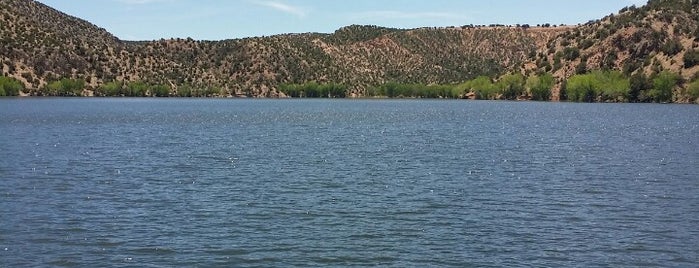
(645, 40)
(360, 56)
(39, 45)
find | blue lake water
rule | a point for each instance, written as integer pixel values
(218, 182)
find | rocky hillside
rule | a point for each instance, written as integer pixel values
(39, 45)
(662, 35)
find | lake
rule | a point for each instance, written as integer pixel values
(144, 182)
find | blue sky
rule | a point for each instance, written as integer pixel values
(226, 19)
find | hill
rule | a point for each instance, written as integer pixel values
(660, 36)
(39, 46)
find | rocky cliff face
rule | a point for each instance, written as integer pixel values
(39, 44)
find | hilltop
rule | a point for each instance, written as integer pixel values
(40, 45)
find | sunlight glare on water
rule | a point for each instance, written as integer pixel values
(213, 182)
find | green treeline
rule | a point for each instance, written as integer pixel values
(595, 86)
(132, 89)
(143, 89)
(511, 87)
(314, 90)
(613, 86)
(64, 87)
(77, 87)
(398, 90)
(598, 86)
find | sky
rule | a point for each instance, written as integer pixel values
(229, 19)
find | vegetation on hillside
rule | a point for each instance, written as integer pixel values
(641, 54)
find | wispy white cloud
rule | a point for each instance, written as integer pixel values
(286, 8)
(140, 2)
(392, 14)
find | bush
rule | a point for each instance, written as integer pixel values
(65, 87)
(10, 86)
(315, 90)
(136, 89)
(672, 47)
(598, 85)
(540, 86)
(638, 83)
(160, 91)
(571, 53)
(110, 89)
(511, 86)
(693, 90)
(483, 87)
(691, 58)
(663, 84)
(184, 91)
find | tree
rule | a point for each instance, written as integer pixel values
(691, 58)
(580, 88)
(663, 85)
(65, 87)
(112, 88)
(638, 83)
(511, 86)
(571, 53)
(581, 68)
(612, 85)
(540, 86)
(672, 47)
(184, 91)
(693, 90)
(602, 85)
(483, 87)
(10, 86)
(136, 89)
(160, 91)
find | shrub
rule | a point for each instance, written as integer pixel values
(65, 87)
(483, 87)
(540, 86)
(111, 89)
(663, 84)
(602, 85)
(511, 86)
(693, 90)
(10, 86)
(691, 58)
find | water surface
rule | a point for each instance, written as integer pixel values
(213, 182)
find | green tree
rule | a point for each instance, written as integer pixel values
(136, 89)
(613, 85)
(581, 68)
(212, 91)
(602, 85)
(511, 86)
(663, 84)
(65, 87)
(10, 86)
(160, 91)
(184, 91)
(483, 87)
(571, 53)
(691, 58)
(693, 91)
(638, 84)
(540, 86)
(112, 88)
(580, 88)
